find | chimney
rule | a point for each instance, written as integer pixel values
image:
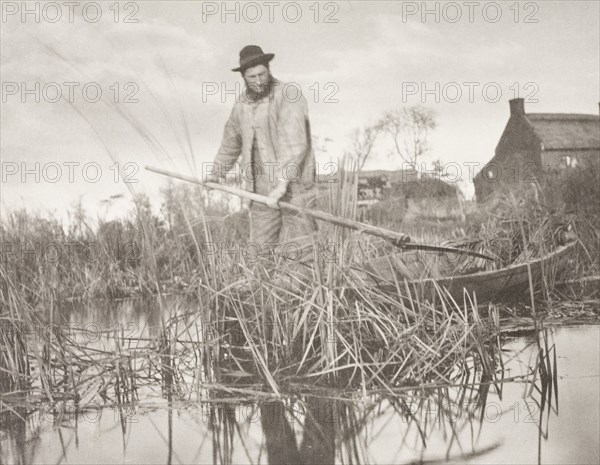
(517, 106)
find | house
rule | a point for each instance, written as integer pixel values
(534, 144)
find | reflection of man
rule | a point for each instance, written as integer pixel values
(269, 128)
(318, 438)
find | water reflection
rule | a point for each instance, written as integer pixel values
(513, 418)
(318, 441)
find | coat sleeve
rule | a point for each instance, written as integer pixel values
(293, 142)
(231, 145)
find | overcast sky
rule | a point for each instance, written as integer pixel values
(350, 70)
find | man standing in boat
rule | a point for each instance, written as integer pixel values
(269, 127)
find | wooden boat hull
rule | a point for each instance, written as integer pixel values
(496, 285)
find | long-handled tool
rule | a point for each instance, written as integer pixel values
(396, 238)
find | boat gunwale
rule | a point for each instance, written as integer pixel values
(496, 274)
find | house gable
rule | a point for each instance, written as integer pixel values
(519, 141)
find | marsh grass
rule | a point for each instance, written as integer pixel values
(197, 242)
(271, 340)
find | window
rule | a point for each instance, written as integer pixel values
(568, 161)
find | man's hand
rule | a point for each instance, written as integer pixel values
(276, 195)
(210, 178)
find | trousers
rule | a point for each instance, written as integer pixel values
(280, 232)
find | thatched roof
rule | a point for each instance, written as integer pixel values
(566, 131)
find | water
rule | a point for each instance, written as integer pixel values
(513, 427)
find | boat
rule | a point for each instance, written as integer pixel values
(508, 283)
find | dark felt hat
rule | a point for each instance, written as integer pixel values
(252, 55)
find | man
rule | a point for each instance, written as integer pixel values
(269, 128)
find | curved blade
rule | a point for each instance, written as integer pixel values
(438, 248)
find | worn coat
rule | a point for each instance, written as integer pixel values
(282, 130)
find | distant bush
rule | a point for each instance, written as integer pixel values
(426, 187)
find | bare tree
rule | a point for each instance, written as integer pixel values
(409, 129)
(438, 169)
(363, 141)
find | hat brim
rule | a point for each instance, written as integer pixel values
(255, 61)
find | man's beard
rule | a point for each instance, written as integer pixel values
(265, 89)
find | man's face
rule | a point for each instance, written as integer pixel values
(257, 78)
